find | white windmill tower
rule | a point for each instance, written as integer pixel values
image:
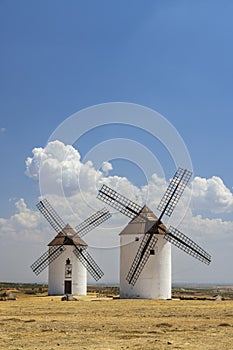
(67, 256)
(67, 275)
(145, 250)
(155, 280)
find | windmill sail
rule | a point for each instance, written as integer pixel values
(119, 202)
(143, 253)
(174, 191)
(45, 259)
(51, 215)
(93, 221)
(58, 225)
(183, 242)
(89, 263)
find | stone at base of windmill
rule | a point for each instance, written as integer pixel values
(68, 297)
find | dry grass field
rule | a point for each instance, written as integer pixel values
(47, 323)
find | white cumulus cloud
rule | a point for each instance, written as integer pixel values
(24, 223)
(106, 167)
(211, 194)
(63, 175)
(59, 168)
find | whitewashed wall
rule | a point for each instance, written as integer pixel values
(56, 278)
(154, 281)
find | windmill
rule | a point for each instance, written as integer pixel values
(147, 237)
(67, 256)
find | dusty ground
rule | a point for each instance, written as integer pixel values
(39, 323)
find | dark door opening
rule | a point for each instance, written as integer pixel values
(68, 287)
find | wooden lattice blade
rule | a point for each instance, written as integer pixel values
(187, 245)
(119, 202)
(51, 215)
(174, 191)
(142, 256)
(93, 221)
(45, 259)
(88, 262)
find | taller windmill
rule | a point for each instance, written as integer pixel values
(67, 256)
(145, 250)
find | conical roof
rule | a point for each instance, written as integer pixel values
(67, 237)
(142, 223)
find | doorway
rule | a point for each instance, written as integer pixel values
(68, 287)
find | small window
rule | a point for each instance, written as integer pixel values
(152, 252)
(136, 239)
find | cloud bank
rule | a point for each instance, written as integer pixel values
(211, 194)
(62, 172)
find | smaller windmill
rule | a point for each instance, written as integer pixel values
(145, 251)
(67, 256)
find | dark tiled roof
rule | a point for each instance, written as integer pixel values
(142, 223)
(67, 237)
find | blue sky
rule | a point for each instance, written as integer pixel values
(59, 57)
